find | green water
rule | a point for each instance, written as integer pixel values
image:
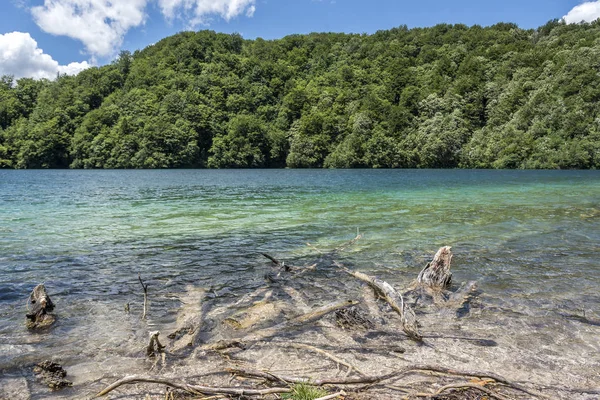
(530, 238)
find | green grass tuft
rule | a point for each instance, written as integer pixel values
(303, 391)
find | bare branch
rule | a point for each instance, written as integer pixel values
(145, 287)
(193, 389)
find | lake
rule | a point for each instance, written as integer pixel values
(531, 240)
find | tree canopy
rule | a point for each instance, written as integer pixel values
(442, 97)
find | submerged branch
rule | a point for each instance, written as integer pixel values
(393, 298)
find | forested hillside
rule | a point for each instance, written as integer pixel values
(442, 97)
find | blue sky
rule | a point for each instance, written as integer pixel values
(41, 37)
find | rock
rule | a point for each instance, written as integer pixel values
(52, 374)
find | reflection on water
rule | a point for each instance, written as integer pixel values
(530, 239)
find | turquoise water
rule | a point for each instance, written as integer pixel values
(530, 238)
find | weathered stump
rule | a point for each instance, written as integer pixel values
(41, 305)
(154, 346)
(436, 274)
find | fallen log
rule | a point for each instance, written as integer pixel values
(258, 313)
(41, 305)
(189, 320)
(294, 323)
(394, 299)
(299, 321)
(436, 273)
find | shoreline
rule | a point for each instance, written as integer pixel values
(314, 350)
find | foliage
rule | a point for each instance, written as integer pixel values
(442, 97)
(303, 391)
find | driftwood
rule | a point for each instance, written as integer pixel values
(436, 273)
(434, 278)
(467, 385)
(349, 243)
(385, 377)
(283, 267)
(278, 263)
(394, 299)
(333, 396)
(194, 389)
(252, 373)
(332, 357)
(41, 305)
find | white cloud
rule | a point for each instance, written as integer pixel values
(99, 24)
(21, 57)
(588, 12)
(198, 11)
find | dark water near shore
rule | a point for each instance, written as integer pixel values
(530, 238)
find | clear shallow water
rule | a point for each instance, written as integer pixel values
(530, 238)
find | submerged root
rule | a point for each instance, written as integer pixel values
(256, 323)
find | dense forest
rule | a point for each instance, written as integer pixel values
(441, 97)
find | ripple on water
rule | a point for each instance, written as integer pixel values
(87, 235)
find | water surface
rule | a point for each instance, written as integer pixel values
(530, 238)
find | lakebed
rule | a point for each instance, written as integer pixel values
(529, 239)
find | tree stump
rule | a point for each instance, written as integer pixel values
(38, 316)
(154, 346)
(436, 274)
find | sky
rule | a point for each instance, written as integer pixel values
(40, 38)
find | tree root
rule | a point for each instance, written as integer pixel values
(332, 396)
(326, 354)
(487, 391)
(193, 389)
(384, 377)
